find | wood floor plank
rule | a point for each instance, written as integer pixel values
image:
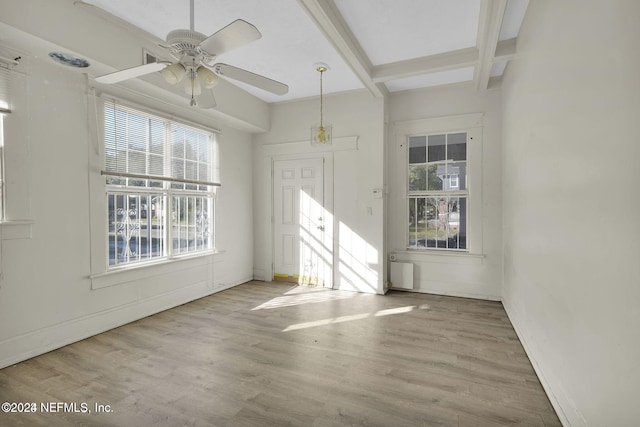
(276, 354)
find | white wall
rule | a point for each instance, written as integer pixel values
(479, 274)
(358, 248)
(571, 201)
(47, 298)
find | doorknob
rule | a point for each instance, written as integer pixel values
(320, 227)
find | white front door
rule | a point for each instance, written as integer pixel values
(299, 221)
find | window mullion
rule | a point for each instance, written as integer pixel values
(168, 220)
(147, 154)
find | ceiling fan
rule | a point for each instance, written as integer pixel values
(195, 55)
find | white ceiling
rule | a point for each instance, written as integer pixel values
(382, 45)
(391, 31)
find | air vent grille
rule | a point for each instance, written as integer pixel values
(148, 57)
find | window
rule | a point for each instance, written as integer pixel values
(160, 180)
(2, 180)
(5, 76)
(437, 193)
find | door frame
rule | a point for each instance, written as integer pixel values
(328, 203)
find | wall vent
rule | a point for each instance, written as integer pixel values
(148, 57)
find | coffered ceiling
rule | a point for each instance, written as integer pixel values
(381, 45)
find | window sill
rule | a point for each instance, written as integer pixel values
(13, 230)
(439, 256)
(123, 275)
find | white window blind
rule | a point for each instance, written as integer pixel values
(142, 146)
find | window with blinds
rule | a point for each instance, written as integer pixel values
(5, 79)
(161, 177)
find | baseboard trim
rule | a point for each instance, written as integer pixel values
(551, 394)
(31, 344)
(450, 294)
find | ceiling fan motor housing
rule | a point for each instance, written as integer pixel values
(184, 44)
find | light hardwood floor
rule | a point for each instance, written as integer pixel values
(273, 354)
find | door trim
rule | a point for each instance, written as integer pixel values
(328, 201)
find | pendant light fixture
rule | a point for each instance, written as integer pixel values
(321, 134)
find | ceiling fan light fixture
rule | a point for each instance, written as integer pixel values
(194, 54)
(173, 73)
(207, 77)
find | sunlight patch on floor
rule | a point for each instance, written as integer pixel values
(397, 310)
(342, 319)
(305, 295)
(323, 322)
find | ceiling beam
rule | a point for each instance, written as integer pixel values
(329, 20)
(494, 82)
(426, 64)
(491, 15)
(505, 50)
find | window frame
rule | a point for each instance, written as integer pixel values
(5, 108)
(2, 171)
(472, 123)
(446, 194)
(167, 189)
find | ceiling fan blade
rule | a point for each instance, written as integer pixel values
(130, 73)
(206, 99)
(234, 35)
(253, 79)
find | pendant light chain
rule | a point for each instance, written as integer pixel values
(321, 71)
(192, 76)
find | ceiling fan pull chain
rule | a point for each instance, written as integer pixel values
(192, 77)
